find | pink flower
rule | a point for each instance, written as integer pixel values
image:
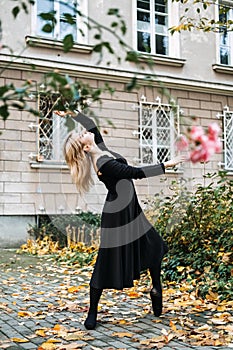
(218, 145)
(199, 154)
(196, 132)
(182, 143)
(201, 144)
(213, 131)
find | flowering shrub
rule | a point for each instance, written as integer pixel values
(201, 144)
(198, 229)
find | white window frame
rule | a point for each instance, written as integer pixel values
(230, 34)
(172, 112)
(54, 136)
(83, 8)
(227, 119)
(173, 19)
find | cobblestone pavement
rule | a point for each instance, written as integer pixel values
(39, 301)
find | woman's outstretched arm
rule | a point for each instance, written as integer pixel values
(87, 123)
(109, 167)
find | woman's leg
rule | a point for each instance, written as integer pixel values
(95, 295)
(156, 291)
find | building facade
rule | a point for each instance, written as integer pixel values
(195, 68)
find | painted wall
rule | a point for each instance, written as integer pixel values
(27, 191)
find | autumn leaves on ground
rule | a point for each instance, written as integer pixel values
(186, 317)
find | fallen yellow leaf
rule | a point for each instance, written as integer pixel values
(133, 294)
(122, 334)
(24, 313)
(80, 335)
(58, 327)
(52, 340)
(47, 346)
(40, 332)
(19, 340)
(152, 340)
(73, 289)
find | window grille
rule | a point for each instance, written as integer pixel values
(228, 138)
(158, 131)
(69, 8)
(52, 131)
(152, 26)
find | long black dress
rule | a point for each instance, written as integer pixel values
(129, 243)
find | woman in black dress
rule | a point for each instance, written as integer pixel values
(129, 243)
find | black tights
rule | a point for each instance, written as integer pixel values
(156, 291)
(95, 295)
(155, 272)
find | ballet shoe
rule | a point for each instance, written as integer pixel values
(157, 302)
(90, 322)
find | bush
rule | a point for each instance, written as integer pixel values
(198, 228)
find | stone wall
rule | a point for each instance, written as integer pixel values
(27, 191)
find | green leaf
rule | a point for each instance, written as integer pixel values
(47, 28)
(113, 12)
(123, 27)
(98, 48)
(48, 16)
(114, 24)
(69, 18)
(108, 47)
(68, 42)
(15, 11)
(25, 8)
(3, 90)
(4, 112)
(81, 32)
(132, 56)
(97, 36)
(132, 84)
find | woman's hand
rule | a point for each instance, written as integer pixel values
(175, 161)
(64, 113)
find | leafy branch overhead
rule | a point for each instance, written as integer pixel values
(74, 93)
(115, 48)
(197, 16)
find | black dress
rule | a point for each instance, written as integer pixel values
(129, 243)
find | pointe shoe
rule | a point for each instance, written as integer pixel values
(90, 322)
(157, 302)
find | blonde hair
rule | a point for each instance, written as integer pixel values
(79, 163)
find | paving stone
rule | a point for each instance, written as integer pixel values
(13, 326)
(29, 346)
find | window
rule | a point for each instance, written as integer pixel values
(158, 130)
(152, 20)
(65, 11)
(152, 26)
(228, 138)
(225, 40)
(52, 131)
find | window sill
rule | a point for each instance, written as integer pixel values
(34, 41)
(163, 60)
(48, 165)
(222, 68)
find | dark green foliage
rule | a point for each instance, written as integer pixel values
(198, 228)
(68, 42)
